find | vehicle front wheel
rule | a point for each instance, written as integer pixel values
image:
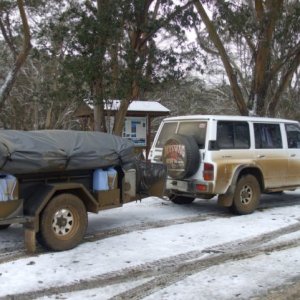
(181, 199)
(246, 196)
(63, 223)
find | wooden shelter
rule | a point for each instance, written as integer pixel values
(138, 120)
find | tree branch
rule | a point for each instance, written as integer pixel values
(7, 39)
(202, 44)
(285, 79)
(150, 34)
(282, 61)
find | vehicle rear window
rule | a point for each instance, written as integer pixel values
(267, 136)
(293, 135)
(233, 135)
(195, 129)
(167, 130)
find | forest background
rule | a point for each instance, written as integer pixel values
(204, 57)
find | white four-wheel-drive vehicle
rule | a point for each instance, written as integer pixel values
(234, 157)
(50, 179)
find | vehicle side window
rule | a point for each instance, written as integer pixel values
(267, 136)
(233, 135)
(165, 133)
(293, 135)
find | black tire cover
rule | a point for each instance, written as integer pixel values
(181, 156)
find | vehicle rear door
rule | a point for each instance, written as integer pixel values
(293, 142)
(271, 157)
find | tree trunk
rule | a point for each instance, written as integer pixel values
(99, 113)
(97, 85)
(121, 113)
(120, 117)
(236, 91)
(262, 77)
(48, 121)
(20, 60)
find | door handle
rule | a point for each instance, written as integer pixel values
(226, 156)
(260, 156)
(292, 155)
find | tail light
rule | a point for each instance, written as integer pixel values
(208, 172)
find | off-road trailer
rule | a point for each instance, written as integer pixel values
(53, 205)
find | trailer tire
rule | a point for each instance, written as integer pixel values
(63, 223)
(2, 227)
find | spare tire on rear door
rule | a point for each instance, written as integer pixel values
(181, 156)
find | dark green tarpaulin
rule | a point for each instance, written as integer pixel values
(23, 152)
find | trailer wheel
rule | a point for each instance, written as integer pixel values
(63, 223)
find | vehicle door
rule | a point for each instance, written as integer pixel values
(293, 142)
(271, 157)
(233, 142)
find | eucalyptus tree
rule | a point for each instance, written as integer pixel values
(269, 32)
(111, 48)
(10, 35)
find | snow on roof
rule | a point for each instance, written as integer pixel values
(228, 118)
(136, 105)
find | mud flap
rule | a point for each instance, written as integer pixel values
(226, 200)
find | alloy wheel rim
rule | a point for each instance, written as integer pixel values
(63, 222)
(246, 194)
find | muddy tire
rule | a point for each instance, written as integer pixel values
(181, 200)
(247, 195)
(2, 227)
(181, 156)
(63, 223)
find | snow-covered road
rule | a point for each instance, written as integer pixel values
(158, 250)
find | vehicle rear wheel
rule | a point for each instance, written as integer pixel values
(181, 199)
(63, 223)
(2, 227)
(246, 196)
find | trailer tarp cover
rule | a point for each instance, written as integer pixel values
(24, 152)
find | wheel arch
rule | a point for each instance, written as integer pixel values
(43, 193)
(252, 170)
(227, 198)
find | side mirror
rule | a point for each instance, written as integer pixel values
(213, 145)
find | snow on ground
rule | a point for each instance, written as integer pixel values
(238, 279)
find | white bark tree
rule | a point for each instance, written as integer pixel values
(19, 58)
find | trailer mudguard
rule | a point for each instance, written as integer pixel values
(44, 192)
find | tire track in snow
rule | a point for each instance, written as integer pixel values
(153, 225)
(14, 253)
(164, 272)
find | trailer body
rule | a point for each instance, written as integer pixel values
(52, 197)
